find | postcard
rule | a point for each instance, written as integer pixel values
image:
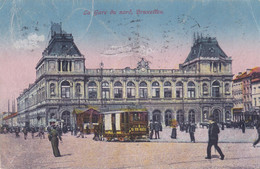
(129, 84)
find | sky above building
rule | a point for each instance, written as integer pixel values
(119, 33)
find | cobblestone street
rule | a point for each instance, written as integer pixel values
(86, 153)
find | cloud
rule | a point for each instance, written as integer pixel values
(31, 42)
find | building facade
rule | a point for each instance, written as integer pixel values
(200, 87)
(245, 92)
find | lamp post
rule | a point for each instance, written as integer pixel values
(101, 78)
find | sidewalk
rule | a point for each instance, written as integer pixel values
(228, 135)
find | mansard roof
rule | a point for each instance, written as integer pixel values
(61, 43)
(206, 47)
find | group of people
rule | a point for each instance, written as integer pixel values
(155, 127)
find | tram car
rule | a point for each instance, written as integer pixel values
(125, 125)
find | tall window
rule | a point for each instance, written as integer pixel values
(180, 116)
(118, 90)
(130, 90)
(215, 89)
(77, 90)
(179, 90)
(227, 88)
(167, 90)
(155, 90)
(143, 90)
(92, 90)
(105, 90)
(191, 90)
(52, 89)
(65, 89)
(205, 89)
(191, 116)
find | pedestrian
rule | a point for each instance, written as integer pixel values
(41, 132)
(17, 132)
(222, 126)
(192, 131)
(174, 125)
(258, 132)
(25, 132)
(33, 131)
(187, 126)
(71, 130)
(54, 138)
(157, 129)
(213, 138)
(151, 129)
(243, 126)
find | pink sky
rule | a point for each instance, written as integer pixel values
(17, 67)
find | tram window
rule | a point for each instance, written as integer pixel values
(127, 118)
(86, 119)
(94, 118)
(122, 118)
(136, 116)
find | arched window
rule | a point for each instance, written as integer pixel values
(143, 90)
(157, 116)
(77, 90)
(167, 89)
(180, 116)
(66, 118)
(65, 89)
(179, 90)
(52, 89)
(205, 89)
(216, 115)
(191, 116)
(168, 118)
(92, 90)
(191, 90)
(105, 90)
(215, 89)
(155, 90)
(118, 90)
(228, 116)
(130, 89)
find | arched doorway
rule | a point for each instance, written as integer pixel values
(216, 115)
(168, 117)
(180, 116)
(157, 116)
(191, 116)
(66, 118)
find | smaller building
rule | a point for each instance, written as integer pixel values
(256, 93)
(10, 119)
(246, 95)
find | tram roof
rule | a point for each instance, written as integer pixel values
(124, 110)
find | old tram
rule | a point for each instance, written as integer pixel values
(125, 125)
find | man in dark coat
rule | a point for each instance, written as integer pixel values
(192, 131)
(258, 131)
(157, 129)
(25, 132)
(33, 131)
(243, 126)
(213, 138)
(54, 137)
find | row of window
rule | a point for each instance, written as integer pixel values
(143, 90)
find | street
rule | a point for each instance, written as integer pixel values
(86, 153)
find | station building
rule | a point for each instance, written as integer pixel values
(200, 87)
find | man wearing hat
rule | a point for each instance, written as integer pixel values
(213, 138)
